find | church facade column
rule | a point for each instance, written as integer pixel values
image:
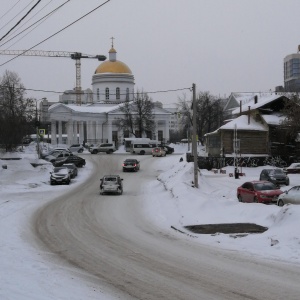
(88, 132)
(70, 132)
(81, 132)
(98, 132)
(156, 131)
(108, 135)
(53, 132)
(167, 132)
(60, 141)
(75, 133)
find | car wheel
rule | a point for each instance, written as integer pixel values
(80, 150)
(287, 183)
(280, 202)
(120, 192)
(240, 198)
(94, 152)
(142, 152)
(255, 200)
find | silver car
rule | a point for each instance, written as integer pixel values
(111, 184)
(291, 196)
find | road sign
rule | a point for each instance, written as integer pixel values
(42, 132)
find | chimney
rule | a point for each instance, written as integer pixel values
(255, 99)
(249, 115)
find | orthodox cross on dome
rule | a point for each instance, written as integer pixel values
(112, 41)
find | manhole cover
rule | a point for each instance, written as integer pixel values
(226, 228)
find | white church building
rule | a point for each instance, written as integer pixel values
(94, 121)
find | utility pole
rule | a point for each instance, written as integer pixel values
(37, 124)
(194, 141)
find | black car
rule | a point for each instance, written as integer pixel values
(72, 168)
(168, 149)
(76, 160)
(276, 176)
(131, 164)
(60, 175)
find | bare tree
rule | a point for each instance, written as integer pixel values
(209, 113)
(16, 111)
(291, 111)
(138, 115)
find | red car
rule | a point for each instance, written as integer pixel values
(293, 169)
(259, 192)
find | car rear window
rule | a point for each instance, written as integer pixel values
(265, 186)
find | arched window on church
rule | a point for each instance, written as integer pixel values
(127, 94)
(98, 95)
(107, 93)
(117, 93)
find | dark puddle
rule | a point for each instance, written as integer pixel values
(228, 228)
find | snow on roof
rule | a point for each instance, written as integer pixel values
(241, 123)
(262, 99)
(273, 119)
(88, 108)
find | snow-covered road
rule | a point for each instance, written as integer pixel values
(113, 239)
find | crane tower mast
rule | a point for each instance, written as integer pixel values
(73, 55)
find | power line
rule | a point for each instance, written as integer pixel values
(70, 93)
(16, 15)
(57, 32)
(41, 19)
(20, 20)
(9, 10)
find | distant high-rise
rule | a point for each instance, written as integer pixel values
(292, 72)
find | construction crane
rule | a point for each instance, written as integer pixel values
(73, 55)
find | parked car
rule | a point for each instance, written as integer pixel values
(276, 176)
(293, 169)
(60, 175)
(168, 149)
(76, 148)
(259, 192)
(131, 164)
(291, 196)
(72, 168)
(158, 151)
(43, 154)
(111, 184)
(79, 162)
(55, 154)
(105, 147)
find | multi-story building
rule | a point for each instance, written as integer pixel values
(292, 72)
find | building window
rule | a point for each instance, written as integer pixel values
(118, 93)
(127, 94)
(107, 93)
(98, 95)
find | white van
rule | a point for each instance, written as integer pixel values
(141, 148)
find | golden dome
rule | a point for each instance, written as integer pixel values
(113, 67)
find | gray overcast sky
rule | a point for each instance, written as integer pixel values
(222, 46)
